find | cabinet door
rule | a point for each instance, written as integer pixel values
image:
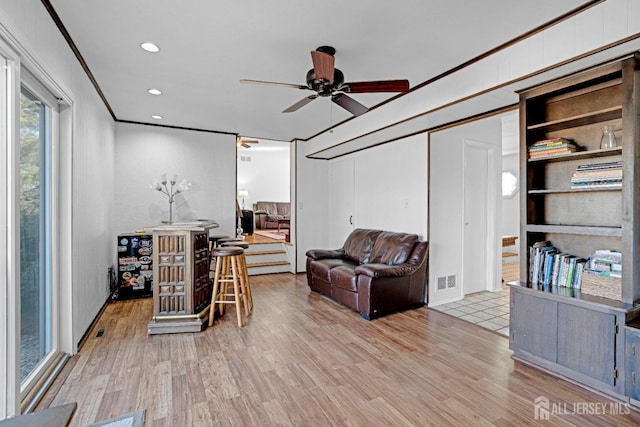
(632, 356)
(533, 325)
(587, 342)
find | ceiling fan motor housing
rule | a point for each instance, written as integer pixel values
(322, 87)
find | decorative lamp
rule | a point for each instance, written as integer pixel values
(171, 188)
(243, 194)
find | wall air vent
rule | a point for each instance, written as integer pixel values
(245, 158)
(442, 282)
(451, 281)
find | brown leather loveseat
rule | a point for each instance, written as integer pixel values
(375, 272)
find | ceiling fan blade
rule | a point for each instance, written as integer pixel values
(376, 86)
(323, 65)
(349, 104)
(249, 140)
(262, 82)
(242, 144)
(300, 104)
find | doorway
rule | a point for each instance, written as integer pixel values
(480, 255)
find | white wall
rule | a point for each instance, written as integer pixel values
(446, 201)
(87, 152)
(390, 193)
(312, 204)
(391, 187)
(208, 160)
(267, 174)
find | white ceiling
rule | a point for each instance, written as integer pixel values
(208, 46)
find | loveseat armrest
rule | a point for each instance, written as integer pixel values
(384, 270)
(325, 253)
(260, 212)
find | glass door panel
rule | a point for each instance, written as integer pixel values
(35, 283)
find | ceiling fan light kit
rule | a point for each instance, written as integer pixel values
(328, 81)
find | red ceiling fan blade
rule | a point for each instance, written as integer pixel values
(376, 86)
(262, 82)
(323, 65)
(349, 104)
(300, 104)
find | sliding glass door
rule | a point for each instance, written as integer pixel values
(35, 232)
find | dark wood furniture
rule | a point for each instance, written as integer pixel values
(181, 286)
(283, 222)
(564, 330)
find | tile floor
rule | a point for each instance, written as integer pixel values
(487, 309)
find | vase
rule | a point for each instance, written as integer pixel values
(608, 139)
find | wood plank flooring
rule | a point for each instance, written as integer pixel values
(303, 360)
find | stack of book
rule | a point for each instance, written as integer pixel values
(550, 267)
(598, 175)
(551, 147)
(606, 263)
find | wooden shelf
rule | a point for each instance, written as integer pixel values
(591, 154)
(595, 116)
(575, 229)
(573, 190)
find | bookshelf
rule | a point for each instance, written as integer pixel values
(567, 201)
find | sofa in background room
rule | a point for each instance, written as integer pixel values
(268, 214)
(375, 272)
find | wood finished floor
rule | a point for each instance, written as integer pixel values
(303, 360)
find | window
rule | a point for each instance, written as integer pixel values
(509, 184)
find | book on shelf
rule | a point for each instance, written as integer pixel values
(551, 147)
(598, 175)
(552, 141)
(549, 267)
(550, 152)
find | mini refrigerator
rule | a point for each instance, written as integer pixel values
(135, 266)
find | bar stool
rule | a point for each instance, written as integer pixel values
(215, 238)
(243, 268)
(213, 243)
(228, 271)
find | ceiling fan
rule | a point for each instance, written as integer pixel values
(326, 80)
(245, 142)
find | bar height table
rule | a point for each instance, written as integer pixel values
(181, 286)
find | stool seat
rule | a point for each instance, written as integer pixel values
(230, 239)
(243, 245)
(227, 251)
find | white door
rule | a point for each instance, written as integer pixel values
(476, 173)
(341, 190)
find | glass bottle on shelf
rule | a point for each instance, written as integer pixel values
(608, 139)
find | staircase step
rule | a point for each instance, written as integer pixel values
(275, 252)
(267, 264)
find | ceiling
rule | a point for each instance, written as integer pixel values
(206, 47)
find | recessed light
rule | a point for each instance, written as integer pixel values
(157, 117)
(150, 47)
(154, 91)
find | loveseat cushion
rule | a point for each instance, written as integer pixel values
(322, 268)
(359, 244)
(344, 277)
(270, 208)
(392, 248)
(283, 209)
